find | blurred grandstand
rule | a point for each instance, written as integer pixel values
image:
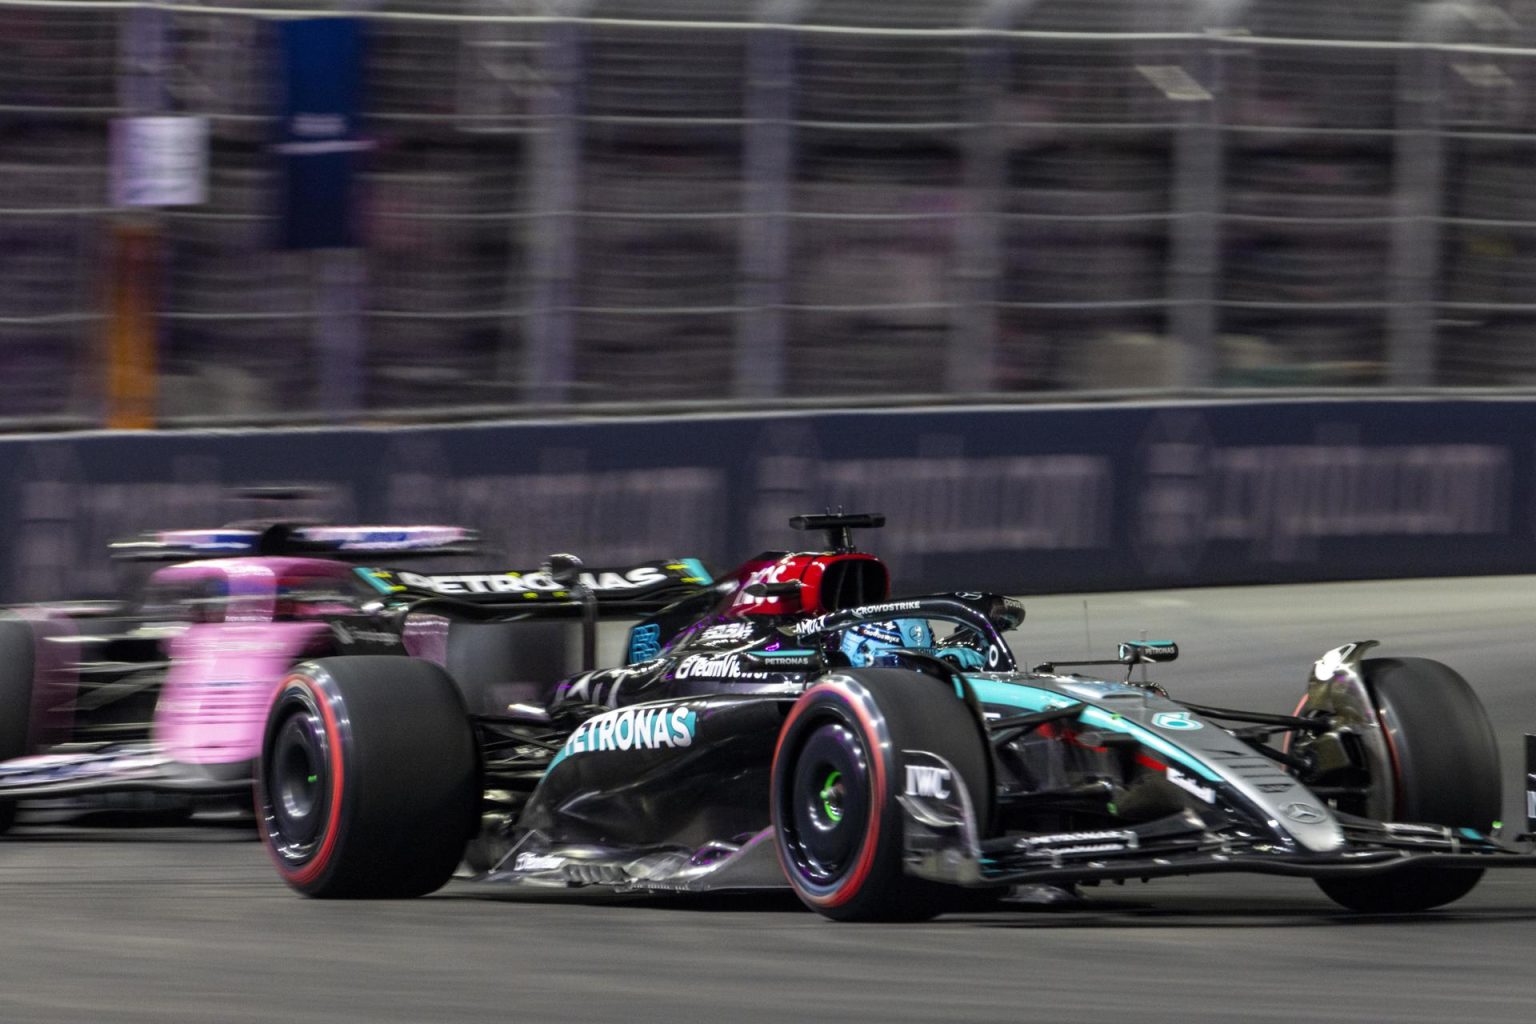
(586, 204)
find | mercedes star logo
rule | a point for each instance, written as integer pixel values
(1304, 813)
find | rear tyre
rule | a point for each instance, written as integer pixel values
(1441, 767)
(368, 783)
(16, 677)
(837, 770)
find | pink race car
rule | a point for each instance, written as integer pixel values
(167, 704)
(170, 699)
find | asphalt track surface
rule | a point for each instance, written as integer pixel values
(102, 921)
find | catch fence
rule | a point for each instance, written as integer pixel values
(632, 203)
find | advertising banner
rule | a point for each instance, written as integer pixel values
(159, 161)
(1023, 500)
(321, 64)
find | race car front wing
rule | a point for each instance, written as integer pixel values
(942, 844)
(119, 767)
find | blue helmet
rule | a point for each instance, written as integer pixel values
(866, 643)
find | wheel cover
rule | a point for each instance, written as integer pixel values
(298, 785)
(828, 805)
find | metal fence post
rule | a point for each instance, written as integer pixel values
(971, 359)
(1419, 177)
(500, 65)
(135, 238)
(1199, 166)
(555, 163)
(768, 146)
(338, 286)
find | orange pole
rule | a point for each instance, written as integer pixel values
(131, 383)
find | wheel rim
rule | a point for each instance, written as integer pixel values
(828, 805)
(298, 785)
(833, 792)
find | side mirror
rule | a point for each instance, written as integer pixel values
(1005, 614)
(1137, 652)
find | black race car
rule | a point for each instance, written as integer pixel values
(791, 725)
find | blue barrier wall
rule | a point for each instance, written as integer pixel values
(1018, 499)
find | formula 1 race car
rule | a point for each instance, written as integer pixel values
(157, 705)
(887, 759)
(147, 703)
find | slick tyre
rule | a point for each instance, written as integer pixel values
(1442, 768)
(16, 676)
(837, 769)
(368, 782)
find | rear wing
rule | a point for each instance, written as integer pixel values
(635, 589)
(279, 539)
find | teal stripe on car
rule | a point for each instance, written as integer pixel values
(1033, 698)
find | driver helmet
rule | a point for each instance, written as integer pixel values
(866, 643)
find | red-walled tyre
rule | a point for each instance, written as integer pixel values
(837, 770)
(368, 783)
(1441, 767)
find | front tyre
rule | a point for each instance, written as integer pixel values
(1439, 764)
(837, 770)
(368, 782)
